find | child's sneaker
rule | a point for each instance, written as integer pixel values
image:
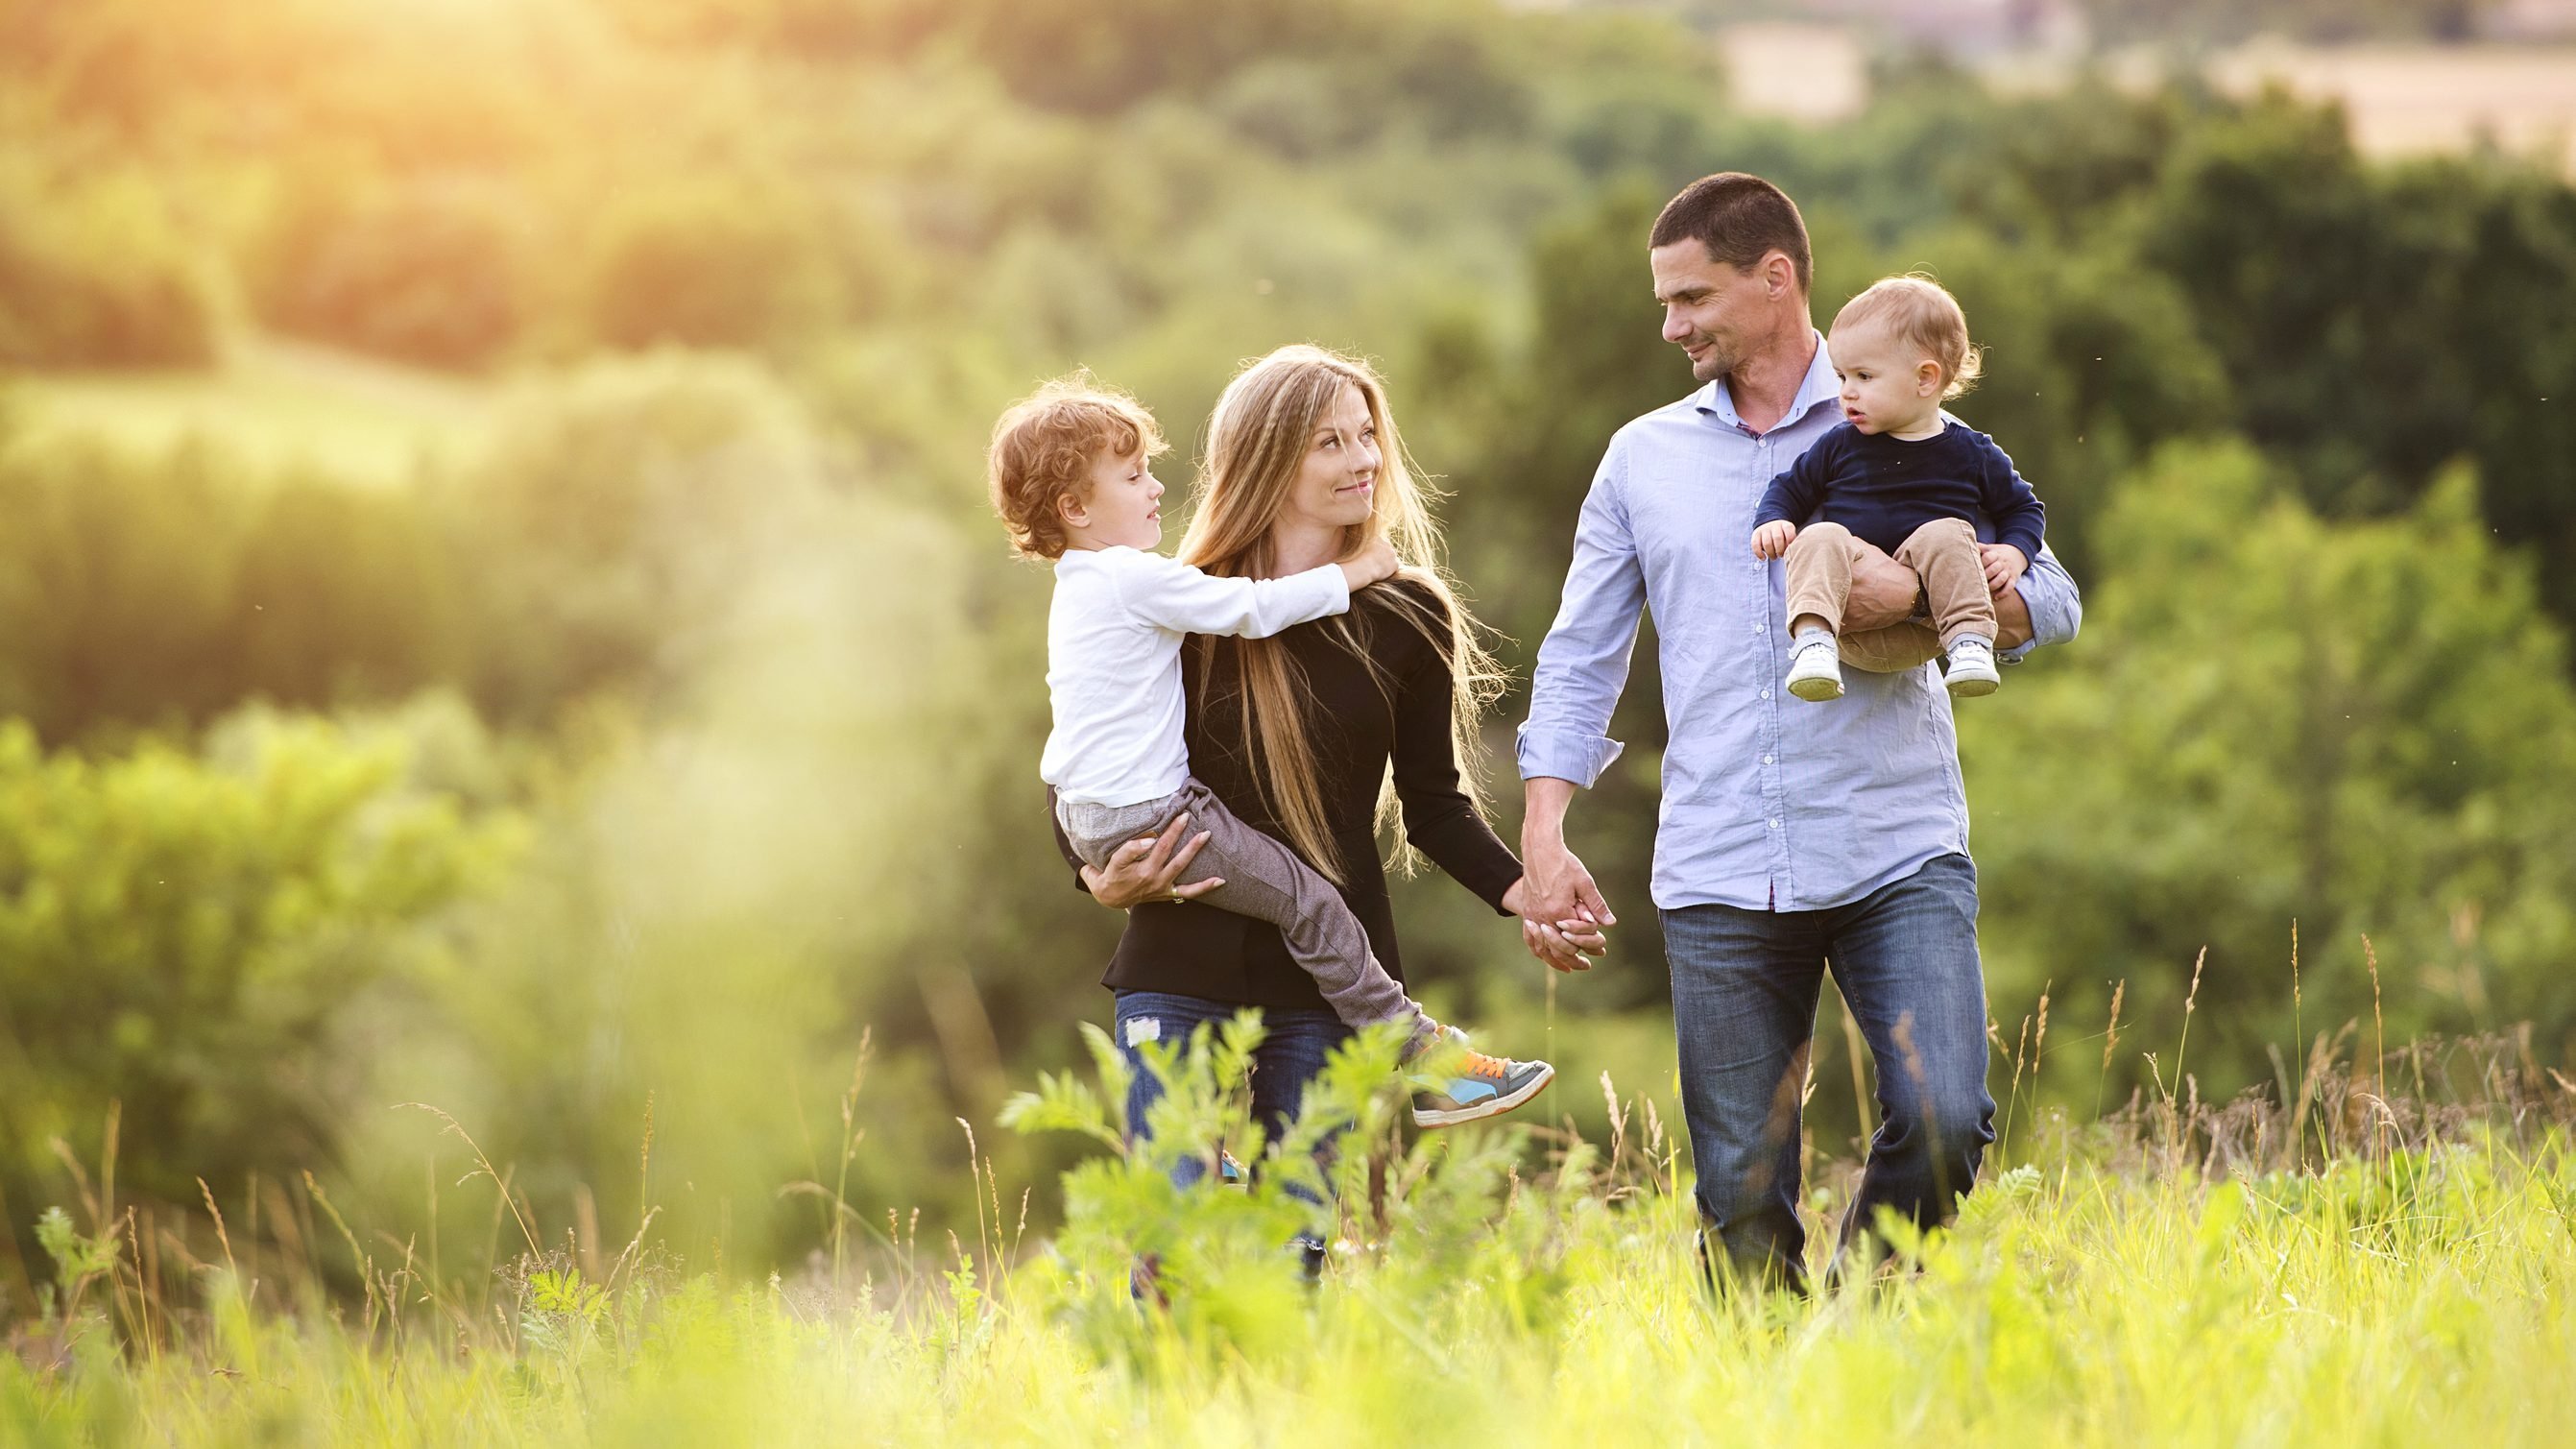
(1815, 670)
(1972, 667)
(1470, 1085)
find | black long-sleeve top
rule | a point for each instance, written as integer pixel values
(1883, 487)
(1356, 726)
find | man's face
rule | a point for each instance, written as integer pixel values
(1712, 311)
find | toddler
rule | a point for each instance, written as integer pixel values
(1899, 474)
(1070, 473)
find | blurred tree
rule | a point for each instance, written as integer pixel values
(180, 936)
(94, 273)
(146, 591)
(428, 272)
(2193, 23)
(609, 527)
(345, 594)
(707, 264)
(2365, 728)
(116, 578)
(2376, 324)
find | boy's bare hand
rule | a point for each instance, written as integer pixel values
(2003, 562)
(1376, 560)
(1772, 539)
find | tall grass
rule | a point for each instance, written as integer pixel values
(2363, 1262)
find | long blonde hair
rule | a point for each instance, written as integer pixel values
(1257, 442)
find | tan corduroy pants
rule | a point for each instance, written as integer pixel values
(1943, 553)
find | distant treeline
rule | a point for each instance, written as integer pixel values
(2179, 24)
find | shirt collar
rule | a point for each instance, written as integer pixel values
(1817, 388)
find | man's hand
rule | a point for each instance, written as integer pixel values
(1556, 889)
(1149, 868)
(2003, 564)
(1771, 540)
(1562, 944)
(1882, 591)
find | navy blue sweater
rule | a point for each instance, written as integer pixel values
(1882, 487)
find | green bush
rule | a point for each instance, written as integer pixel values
(116, 579)
(2366, 729)
(140, 591)
(96, 273)
(345, 594)
(183, 934)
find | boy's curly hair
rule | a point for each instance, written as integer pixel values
(1921, 313)
(1043, 449)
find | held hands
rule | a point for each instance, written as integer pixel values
(1771, 540)
(2003, 564)
(1149, 868)
(1376, 560)
(1563, 916)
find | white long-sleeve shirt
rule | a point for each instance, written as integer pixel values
(1114, 662)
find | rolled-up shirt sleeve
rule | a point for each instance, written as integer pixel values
(1583, 664)
(2056, 605)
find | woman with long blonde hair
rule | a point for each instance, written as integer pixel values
(1319, 735)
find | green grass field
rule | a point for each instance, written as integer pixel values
(279, 405)
(2360, 1269)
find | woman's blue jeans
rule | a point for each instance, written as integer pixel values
(1291, 1053)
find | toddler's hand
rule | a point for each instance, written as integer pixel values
(2004, 563)
(1772, 539)
(1376, 560)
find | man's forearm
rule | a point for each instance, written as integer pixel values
(2012, 619)
(1544, 800)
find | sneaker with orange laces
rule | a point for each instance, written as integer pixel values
(1457, 1083)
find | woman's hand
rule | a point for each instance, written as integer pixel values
(1149, 868)
(1561, 944)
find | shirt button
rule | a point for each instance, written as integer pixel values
(1775, 824)
(1766, 694)
(1766, 759)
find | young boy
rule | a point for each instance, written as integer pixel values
(1070, 475)
(1897, 474)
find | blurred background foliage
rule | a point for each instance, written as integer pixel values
(497, 607)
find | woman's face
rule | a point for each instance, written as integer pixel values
(1336, 485)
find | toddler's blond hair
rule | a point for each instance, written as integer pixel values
(1920, 313)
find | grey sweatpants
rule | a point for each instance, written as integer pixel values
(1263, 880)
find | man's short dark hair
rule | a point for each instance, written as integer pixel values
(1740, 219)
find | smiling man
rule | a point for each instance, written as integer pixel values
(1793, 838)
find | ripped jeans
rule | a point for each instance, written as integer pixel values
(1298, 1040)
(1290, 1054)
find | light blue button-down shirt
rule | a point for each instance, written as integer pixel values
(1769, 802)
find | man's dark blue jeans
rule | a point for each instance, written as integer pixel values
(1745, 988)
